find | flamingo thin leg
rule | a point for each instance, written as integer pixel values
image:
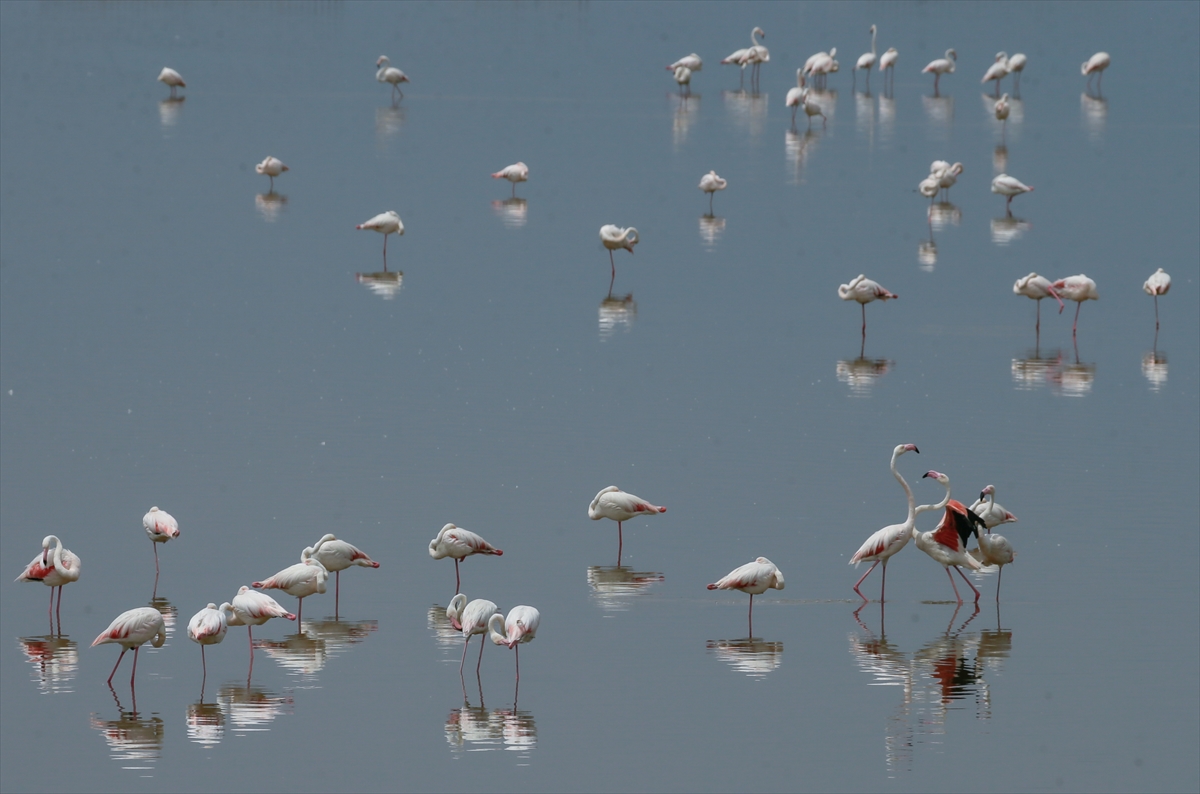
(751, 616)
(133, 674)
(115, 666)
(999, 578)
(466, 642)
(1078, 306)
(864, 576)
(968, 581)
(883, 587)
(620, 543)
(337, 592)
(1156, 311)
(480, 662)
(457, 581)
(952, 584)
(517, 649)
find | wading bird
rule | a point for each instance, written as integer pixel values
(885, 543)
(1092, 67)
(1159, 283)
(520, 626)
(867, 60)
(864, 290)
(385, 223)
(947, 542)
(1016, 65)
(133, 629)
(300, 580)
(692, 62)
(614, 238)
(615, 504)
(251, 608)
(997, 71)
(887, 63)
(710, 183)
(940, 67)
(753, 578)
(517, 172)
(1079, 289)
(470, 619)
(53, 569)
(1037, 287)
(272, 167)
(1009, 186)
(337, 555)
(160, 527)
(458, 544)
(169, 76)
(985, 507)
(995, 550)
(683, 76)
(208, 627)
(390, 74)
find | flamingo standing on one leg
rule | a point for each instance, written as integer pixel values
(1159, 283)
(614, 237)
(53, 569)
(995, 550)
(517, 172)
(997, 71)
(940, 67)
(864, 290)
(1016, 65)
(337, 555)
(160, 527)
(208, 627)
(885, 543)
(1079, 289)
(133, 629)
(300, 580)
(615, 504)
(385, 223)
(710, 183)
(172, 78)
(1037, 287)
(887, 65)
(692, 62)
(520, 626)
(1095, 66)
(1010, 187)
(470, 619)
(683, 76)
(458, 543)
(947, 542)
(272, 167)
(985, 507)
(753, 578)
(251, 608)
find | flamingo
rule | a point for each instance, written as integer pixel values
(948, 177)
(1079, 289)
(1009, 186)
(272, 167)
(473, 619)
(887, 62)
(208, 627)
(615, 504)
(133, 629)
(53, 570)
(1037, 287)
(946, 543)
(754, 578)
(995, 550)
(940, 67)
(1159, 283)
(756, 56)
(736, 58)
(1016, 65)
(517, 172)
(160, 527)
(1092, 66)
(1001, 109)
(300, 580)
(385, 223)
(614, 237)
(867, 59)
(337, 555)
(929, 187)
(864, 290)
(710, 183)
(795, 96)
(520, 626)
(812, 109)
(985, 507)
(997, 71)
(390, 74)
(820, 64)
(692, 62)
(451, 541)
(885, 543)
(683, 76)
(169, 76)
(251, 608)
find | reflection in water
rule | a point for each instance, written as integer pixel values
(940, 111)
(1009, 229)
(512, 211)
(251, 708)
(861, 373)
(55, 660)
(1000, 160)
(753, 656)
(797, 147)
(711, 229)
(205, 723)
(1016, 115)
(887, 118)
(687, 110)
(944, 214)
(1154, 367)
(864, 116)
(384, 284)
(269, 205)
(614, 588)
(1074, 380)
(169, 111)
(1033, 371)
(1094, 111)
(474, 729)
(135, 742)
(169, 612)
(748, 111)
(299, 654)
(448, 638)
(388, 122)
(616, 313)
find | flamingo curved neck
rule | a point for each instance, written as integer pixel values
(912, 514)
(58, 554)
(945, 501)
(754, 37)
(873, 31)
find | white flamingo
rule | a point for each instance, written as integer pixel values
(1159, 283)
(985, 507)
(614, 504)
(385, 223)
(683, 76)
(208, 627)
(519, 627)
(133, 629)
(470, 619)
(1079, 289)
(1002, 109)
(948, 177)
(169, 76)
(614, 238)
(887, 542)
(272, 167)
(692, 62)
(336, 556)
(864, 290)
(1011, 187)
(53, 569)
(941, 66)
(517, 172)
(390, 74)
(867, 60)
(710, 183)
(458, 544)
(300, 580)
(997, 71)
(995, 550)
(1036, 287)
(160, 527)
(887, 62)
(1095, 66)
(252, 608)
(1016, 65)
(753, 578)
(812, 109)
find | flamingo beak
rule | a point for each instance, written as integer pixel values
(457, 626)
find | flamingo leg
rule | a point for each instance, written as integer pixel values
(968, 581)
(385, 252)
(480, 662)
(864, 316)
(620, 543)
(337, 592)
(517, 650)
(864, 576)
(50, 611)
(613, 263)
(999, 578)
(115, 666)
(457, 581)
(58, 610)
(155, 563)
(1156, 312)
(952, 584)
(466, 642)
(204, 671)
(1078, 306)
(883, 587)
(710, 212)
(751, 615)
(133, 674)
(299, 615)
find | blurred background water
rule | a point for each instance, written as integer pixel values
(175, 334)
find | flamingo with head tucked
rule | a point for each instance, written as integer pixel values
(1078, 288)
(385, 223)
(614, 504)
(272, 167)
(864, 290)
(753, 578)
(887, 542)
(710, 183)
(1010, 187)
(160, 527)
(133, 629)
(1159, 283)
(995, 550)
(692, 62)
(615, 238)
(941, 66)
(458, 544)
(1016, 65)
(251, 608)
(947, 542)
(301, 580)
(208, 627)
(54, 569)
(1037, 287)
(172, 78)
(470, 619)
(337, 555)
(519, 627)
(517, 172)
(887, 63)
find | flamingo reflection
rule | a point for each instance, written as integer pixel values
(748, 111)
(473, 729)
(384, 284)
(753, 656)
(1094, 113)
(939, 110)
(298, 654)
(135, 742)
(205, 723)
(861, 373)
(388, 121)
(1008, 229)
(797, 148)
(614, 588)
(711, 229)
(687, 110)
(269, 205)
(1034, 370)
(169, 111)
(512, 211)
(444, 634)
(616, 313)
(55, 662)
(251, 709)
(1154, 368)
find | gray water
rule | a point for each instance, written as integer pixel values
(173, 334)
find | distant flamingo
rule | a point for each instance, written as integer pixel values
(753, 578)
(208, 627)
(520, 626)
(272, 167)
(385, 223)
(692, 62)
(867, 60)
(53, 570)
(1016, 65)
(1094, 66)
(864, 290)
(997, 71)
(940, 67)
(172, 78)
(948, 177)
(710, 183)
(795, 96)
(947, 542)
(337, 555)
(457, 543)
(885, 543)
(517, 172)
(1009, 186)
(300, 580)
(735, 58)
(1037, 287)
(133, 629)
(160, 527)
(614, 237)
(390, 74)
(819, 65)
(995, 550)
(812, 109)
(1079, 289)
(1001, 109)
(751, 56)
(929, 187)
(251, 608)
(613, 503)
(985, 507)
(683, 76)
(1159, 283)
(473, 619)
(887, 63)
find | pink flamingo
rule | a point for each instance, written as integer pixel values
(459, 544)
(985, 507)
(1079, 289)
(208, 627)
(754, 578)
(250, 608)
(385, 223)
(947, 542)
(133, 629)
(337, 555)
(520, 626)
(864, 290)
(517, 172)
(300, 580)
(473, 619)
(160, 527)
(53, 570)
(1159, 283)
(1036, 287)
(995, 550)
(887, 542)
(615, 504)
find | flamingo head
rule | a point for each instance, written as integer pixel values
(759, 31)
(457, 604)
(937, 475)
(382, 61)
(990, 489)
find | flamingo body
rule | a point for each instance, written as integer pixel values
(160, 525)
(710, 183)
(946, 543)
(251, 608)
(692, 62)
(272, 167)
(300, 580)
(615, 504)
(470, 618)
(209, 625)
(754, 578)
(172, 78)
(888, 59)
(517, 172)
(458, 544)
(54, 569)
(985, 507)
(864, 290)
(133, 629)
(1159, 283)
(1094, 65)
(885, 543)
(1010, 187)
(385, 223)
(867, 59)
(940, 67)
(683, 76)
(997, 71)
(1078, 288)
(390, 74)
(1001, 108)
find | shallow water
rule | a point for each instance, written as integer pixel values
(172, 333)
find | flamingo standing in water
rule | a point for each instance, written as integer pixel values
(692, 62)
(337, 555)
(710, 183)
(1094, 66)
(614, 237)
(390, 74)
(887, 64)
(887, 542)
(683, 76)
(208, 627)
(1016, 65)
(385, 223)
(812, 109)
(947, 542)
(819, 65)
(1001, 109)
(1079, 289)
(985, 507)
(133, 629)
(160, 527)
(795, 96)
(1011, 187)
(470, 619)
(867, 60)
(272, 167)
(169, 76)
(1159, 283)
(751, 56)
(458, 543)
(300, 580)
(948, 176)
(1037, 287)
(941, 66)
(53, 569)
(864, 290)
(997, 71)
(251, 608)
(753, 578)
(995, 550)
(517, 172)
(520, 626)
(615, 504)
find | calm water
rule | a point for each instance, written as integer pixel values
(172, 334)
